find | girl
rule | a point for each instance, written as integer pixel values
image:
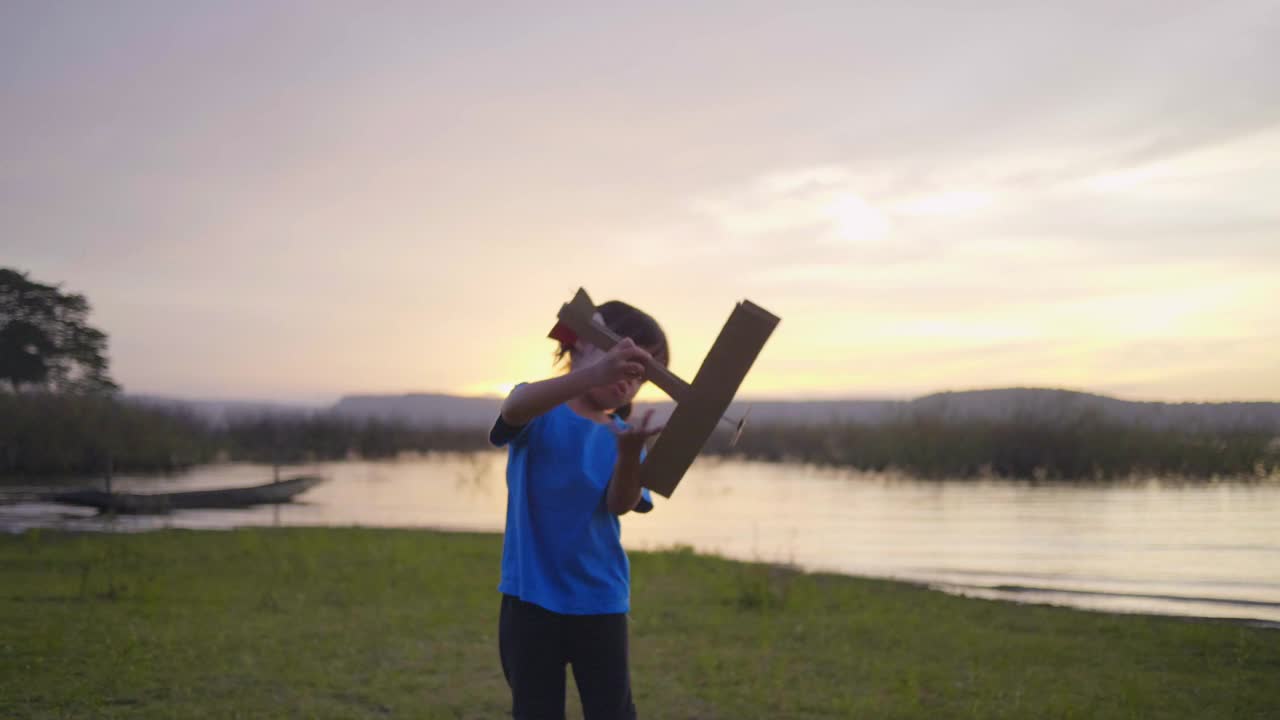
(572, 469)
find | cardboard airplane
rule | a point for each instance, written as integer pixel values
(700, 405)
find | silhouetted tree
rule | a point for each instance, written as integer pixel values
(46, 340)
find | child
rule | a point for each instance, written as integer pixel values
(572, 469)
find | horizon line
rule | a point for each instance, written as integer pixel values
(745, 399)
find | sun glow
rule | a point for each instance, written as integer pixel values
(488, 389)
(856, 220)
(948, 203)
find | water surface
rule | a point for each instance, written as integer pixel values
(1185, 549)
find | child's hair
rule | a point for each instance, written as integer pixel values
(627, 321)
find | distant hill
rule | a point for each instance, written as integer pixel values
(798, 412)
(220, 411)
(1032, 404)
(434, 409)
(422, 409)
(1047, 404)
(997, 404)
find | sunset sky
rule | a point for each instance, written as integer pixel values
(293, 201)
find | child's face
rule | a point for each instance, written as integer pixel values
(607, 396)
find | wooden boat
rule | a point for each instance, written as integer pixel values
(156, 503)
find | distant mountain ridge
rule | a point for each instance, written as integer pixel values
(423, 409)
(1040, 404)
(1031, 404)
(220, 411)
(1051, 404)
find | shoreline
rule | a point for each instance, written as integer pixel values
(943, 588)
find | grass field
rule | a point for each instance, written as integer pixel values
(355, 623)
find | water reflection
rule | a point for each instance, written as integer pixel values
(1211, 550)
(477, 473)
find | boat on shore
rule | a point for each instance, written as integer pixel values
(282, 491)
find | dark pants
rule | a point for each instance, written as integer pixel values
(535, 644)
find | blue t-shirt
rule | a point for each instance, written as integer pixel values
(562, 549)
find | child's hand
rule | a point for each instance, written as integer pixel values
(632, 440)
(626, 361)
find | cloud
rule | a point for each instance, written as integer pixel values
(954, 202)
(822, 202)
(977, 168)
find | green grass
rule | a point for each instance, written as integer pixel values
(354, 623)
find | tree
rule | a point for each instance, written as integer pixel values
(45, 338)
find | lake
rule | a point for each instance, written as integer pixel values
(1210, 550)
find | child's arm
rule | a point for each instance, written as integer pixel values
(624, 487)
(530, 400)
